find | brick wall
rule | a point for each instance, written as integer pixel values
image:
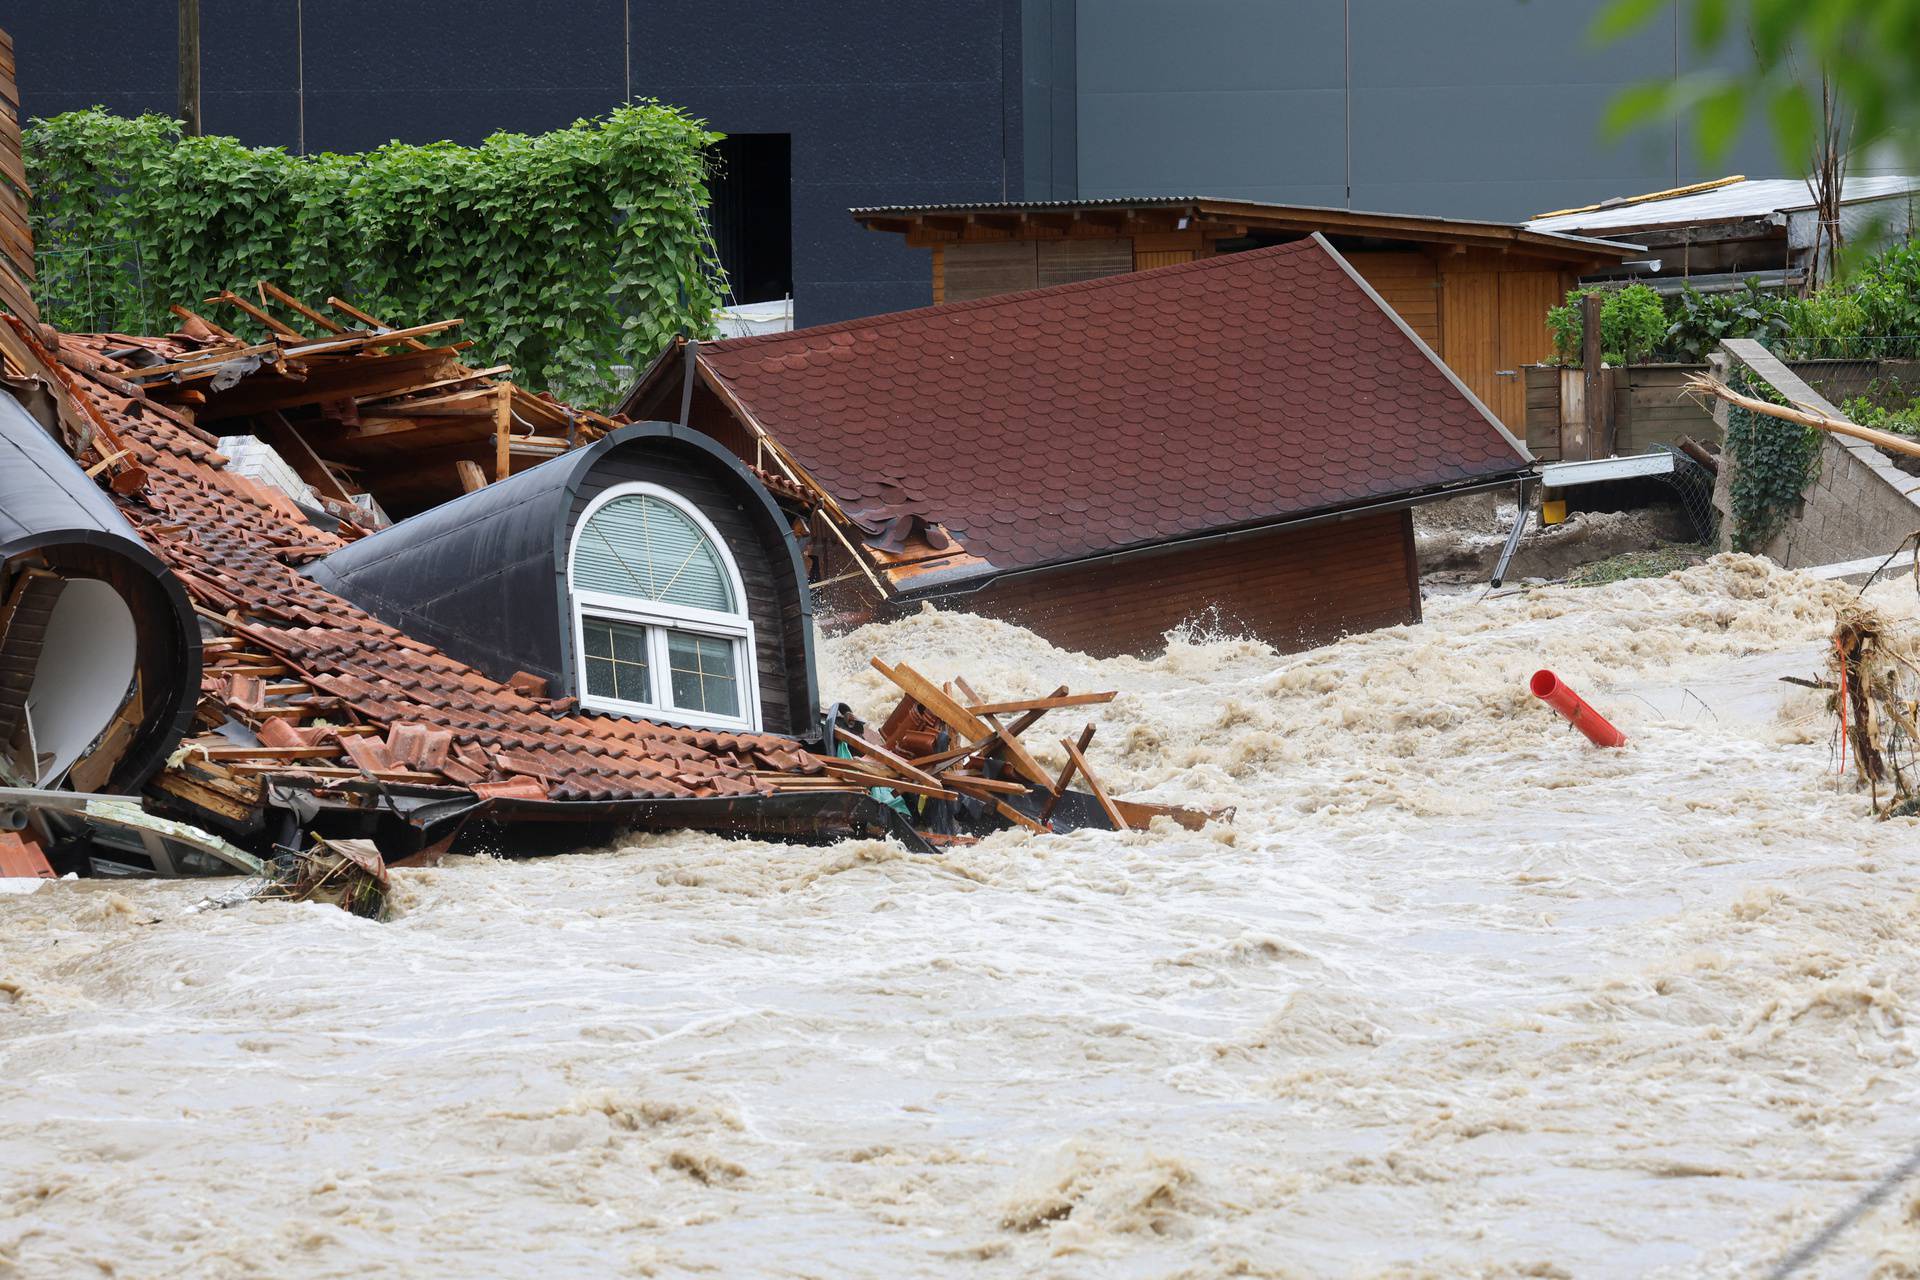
(1860, 505)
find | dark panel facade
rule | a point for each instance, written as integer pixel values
(883, 101)
(1469, 108)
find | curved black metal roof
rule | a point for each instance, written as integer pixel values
(48, 502)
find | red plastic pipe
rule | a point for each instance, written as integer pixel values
(1549, 689)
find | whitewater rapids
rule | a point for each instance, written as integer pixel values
(1456, 994)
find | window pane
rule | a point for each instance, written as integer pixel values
(600, 677)
(630, 644)
(616, 660)
(632, 682)
(643, 547)
(704, 678)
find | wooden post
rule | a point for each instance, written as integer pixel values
(502, 432)
(190, 67)
(1596, 403)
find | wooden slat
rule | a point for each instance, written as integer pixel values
(292, 303)
(1093, 784)
(875, 751)
(1042, 704)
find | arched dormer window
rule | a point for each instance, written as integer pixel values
(659, 613)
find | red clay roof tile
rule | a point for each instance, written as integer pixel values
(222, 535)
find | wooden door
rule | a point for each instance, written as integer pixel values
(1525, 299)
(1470, 332)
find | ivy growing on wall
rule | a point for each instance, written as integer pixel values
(1774, 462)
(565, 253)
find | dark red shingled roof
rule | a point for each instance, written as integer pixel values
(235, 545)
(1063, 422)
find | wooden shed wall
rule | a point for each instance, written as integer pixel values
(1293, 588)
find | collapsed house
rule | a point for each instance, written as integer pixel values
(619, 637)
(1242, 437)
(219, 651)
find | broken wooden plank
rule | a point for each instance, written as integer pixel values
(1042, 704)
(1059, 787)
(889, 759)
(1140, 814)
(502, 435)
(205, 360)
(471, 476)
(435, 385)
(870, 779)
(294, 304)
(204, 323)
(261, 314)
(1114, 815)
(240, 752)
(954, 778)
(1022, 761)
(347, 309)
(1012, 814)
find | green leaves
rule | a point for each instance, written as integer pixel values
(566, 253)
(1633, 322)
(1774, 462)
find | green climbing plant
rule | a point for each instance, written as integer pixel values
(565, 253)
(1774, 462)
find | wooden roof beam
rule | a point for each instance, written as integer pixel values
(996, 221)
(954, 222)
(1112, 219)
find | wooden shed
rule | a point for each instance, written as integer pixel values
(1476, 292)
(1236, 441)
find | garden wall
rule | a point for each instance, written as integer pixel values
(1859, 505)
(1650, 408)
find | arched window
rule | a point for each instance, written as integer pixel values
(659, 613)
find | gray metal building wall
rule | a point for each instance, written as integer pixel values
(1463, 108)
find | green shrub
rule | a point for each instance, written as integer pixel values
(1698, 322)
(564, 253)
(1886, 406)
(1633, 322)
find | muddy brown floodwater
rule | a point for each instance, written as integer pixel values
(1455, 995)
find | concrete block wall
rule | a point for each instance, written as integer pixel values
(1860, 504)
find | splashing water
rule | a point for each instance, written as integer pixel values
(1456, 994)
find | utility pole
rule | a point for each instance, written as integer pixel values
(190, 67)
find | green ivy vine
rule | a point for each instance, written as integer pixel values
(1774, 462)
(565, 253)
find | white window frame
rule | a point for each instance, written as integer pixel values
(659, 617)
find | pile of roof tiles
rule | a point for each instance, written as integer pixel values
(299, 684)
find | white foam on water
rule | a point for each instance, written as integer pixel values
(1456, 994)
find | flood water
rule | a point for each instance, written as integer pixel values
(1456, 994)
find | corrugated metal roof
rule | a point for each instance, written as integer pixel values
(1751, 198)
(1467, 226)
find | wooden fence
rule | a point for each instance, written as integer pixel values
(1650, 408)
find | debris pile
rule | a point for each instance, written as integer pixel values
(1876, 695)
(961, 762)
(349, 874)
(370, 420)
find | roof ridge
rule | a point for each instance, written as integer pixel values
(1118, 279)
